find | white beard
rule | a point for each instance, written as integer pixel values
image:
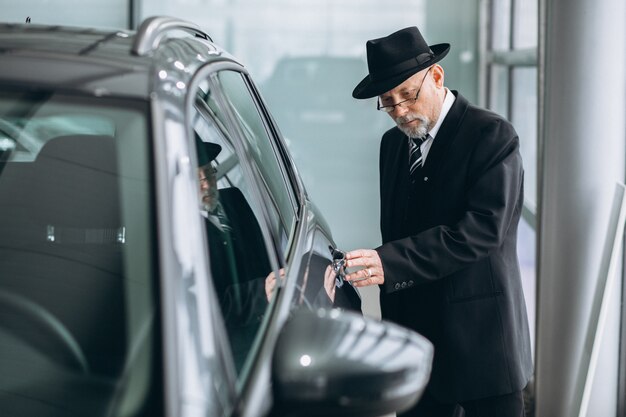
(208, 200)
(420, 131)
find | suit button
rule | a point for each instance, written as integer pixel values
(411, 283)
(404, 284)
(425, 178)
(397, 286)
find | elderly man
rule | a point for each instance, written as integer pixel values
(451, 189)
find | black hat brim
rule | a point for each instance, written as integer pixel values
(207, 151)
(368, 88)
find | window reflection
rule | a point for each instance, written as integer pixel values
(238, 256)
(78, 293)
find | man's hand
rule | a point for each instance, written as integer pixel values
(329, 282)
(270, 283)
(372, 272)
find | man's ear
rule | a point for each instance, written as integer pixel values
(438, 75)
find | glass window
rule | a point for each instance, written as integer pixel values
(500, 24)
(78, 294)
(239, 257)
(279, 196)
(512, 92)
(524, 118)
(526, 251)
(499, 89)
(526, 24)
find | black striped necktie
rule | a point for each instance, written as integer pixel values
(218, 217)
(415, 154)
(224, 221)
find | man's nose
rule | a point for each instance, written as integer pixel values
(398, 111)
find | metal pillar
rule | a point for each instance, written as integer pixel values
(583, 117)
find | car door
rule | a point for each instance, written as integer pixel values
(284, 243)
(240, 249)
(245, 246)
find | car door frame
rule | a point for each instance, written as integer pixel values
(254, 392)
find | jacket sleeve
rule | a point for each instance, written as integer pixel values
(493, 200)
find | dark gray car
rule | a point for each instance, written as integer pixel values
(122, 291)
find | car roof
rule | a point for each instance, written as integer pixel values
(101, 61)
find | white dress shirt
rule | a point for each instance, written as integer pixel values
(447, 104)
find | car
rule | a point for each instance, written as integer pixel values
(159, 254)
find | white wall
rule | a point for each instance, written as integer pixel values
(103, 13)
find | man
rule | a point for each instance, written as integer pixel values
(238, 255)
(451, 188)
(239, 260)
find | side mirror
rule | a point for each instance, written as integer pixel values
(333, 362)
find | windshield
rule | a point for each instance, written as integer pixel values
(78, 334)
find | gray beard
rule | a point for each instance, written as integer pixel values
(211, 204)
(418, 132)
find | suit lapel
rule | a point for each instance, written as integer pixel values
(446, 135)
(395, 175)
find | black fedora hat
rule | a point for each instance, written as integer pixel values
(393, 59)
(207, 151)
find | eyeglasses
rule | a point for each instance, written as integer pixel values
(211, 170)
(403, 103)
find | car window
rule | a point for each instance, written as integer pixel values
(78, 292)
(22, 136)
(239, 256)
(280, 198)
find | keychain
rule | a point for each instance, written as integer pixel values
(339, 265)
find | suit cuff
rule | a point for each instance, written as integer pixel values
(392, 285)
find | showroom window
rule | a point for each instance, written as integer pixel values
(509, 87)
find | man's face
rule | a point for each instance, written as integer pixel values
(208, 187)
(414, 117)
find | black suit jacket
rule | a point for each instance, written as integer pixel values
(244, 238)
(239, 265)
(239, 260)
(449, 252)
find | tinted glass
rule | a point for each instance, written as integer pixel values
(279, 196)
(77, 291)
(238, 250)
